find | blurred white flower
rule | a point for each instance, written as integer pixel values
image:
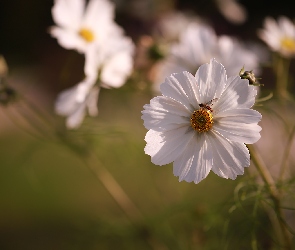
(80, 27)
(198, 44)
(74, 102)
(113, 63)
(172, 24)
(108, 53)
(279, 36)
(201, 123)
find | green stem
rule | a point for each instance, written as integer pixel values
(286, 154)
(92, 162)
(113, 187)
(273, 191)
(281, 67)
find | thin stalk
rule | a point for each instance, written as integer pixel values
(274, 193)
(281, 67)
(19, 123)
(286, 154)
(90, 160)
(113, 187)
(44, 117)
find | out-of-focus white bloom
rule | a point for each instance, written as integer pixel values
(201, 123)
(80, 27)
(279, 36)
(197, 45)
(172, 24)
(113, 63)
(74, 102)
(108, 53)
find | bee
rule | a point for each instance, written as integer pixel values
(249, 75)
(208, 104)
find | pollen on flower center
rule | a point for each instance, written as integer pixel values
(288, 43)
(202, 120)
(87, 35)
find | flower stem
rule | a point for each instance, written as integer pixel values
(92, 162)
(286, 154)
(281, 67)
(273, 191)
(113, 187)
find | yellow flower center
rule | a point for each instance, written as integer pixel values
(87, 35)
(288, 43)
(202, 120)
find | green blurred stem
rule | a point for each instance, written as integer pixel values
(91, 161)
(112, 186)
(105, 177)
(286, 154)
(273, 191)
(281, 67)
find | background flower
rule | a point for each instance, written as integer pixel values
(81, 27)
(198, 44)
(74, 102)
(108, 53)
(112, 63)
(183, 128)
(279, 36)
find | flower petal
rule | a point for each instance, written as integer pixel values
(66, 101)
(93, 61)
(189, 85)
(75, 119)
(234, 55)
(211, 79)
(68, 39)
(195, 162)
(165, 147)
(175, 87)
(287, 26)
(68, 13)
(71, 102)
(165, 68)
(164, 114)
(229, 158)
(98, 14)
(116, 70)
(197, 43)
(238, 132)
(238, 116)
(114, 58)
(237, 94)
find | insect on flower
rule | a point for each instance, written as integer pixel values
(208, 104)
(249, 75)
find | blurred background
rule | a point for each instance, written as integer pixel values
(50, 200)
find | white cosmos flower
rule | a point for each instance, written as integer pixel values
(113, 63)
(172, 24)
(279, 36)
(80, 27)
(198, 44)
(74, 102)
(108, 53)
(201, 123)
